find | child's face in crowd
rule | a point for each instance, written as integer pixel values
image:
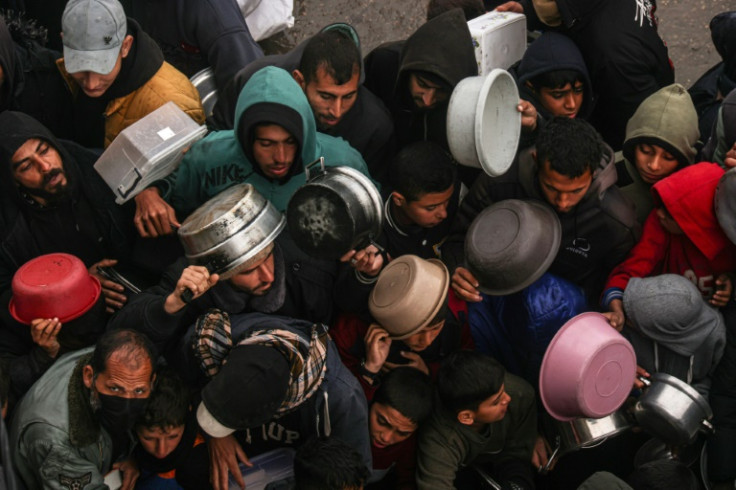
(564, 101)
(668, 222)
(562, 192)
(388, 426)
(429, 210)
(258, 279)
(424, 338)
(160, 442)
(653, 162)
(492, 409)
(424, 93)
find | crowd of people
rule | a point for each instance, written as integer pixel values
(128, 361)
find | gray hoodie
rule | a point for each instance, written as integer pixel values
(673, 330)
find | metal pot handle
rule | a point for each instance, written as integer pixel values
(543, 470)
(707, 426)
(588, 446)
(308, 167)
(647, 382)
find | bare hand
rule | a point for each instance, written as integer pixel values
(724, 290)
(225, 452)
(415, 361)
(129, 469)
(466, 285)
(510, 7)
(528, 115)
(616, 316)
(195, 278)
(44, 332)
(730, 160)
(541, 454)
(114, 297)
(153, 216)
(367, 261)
(640, 373)
(377, 345)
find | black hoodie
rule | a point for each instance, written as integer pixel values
(626, 58)
(87, 222)
(443, 48)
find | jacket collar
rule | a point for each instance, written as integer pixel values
(83, 427)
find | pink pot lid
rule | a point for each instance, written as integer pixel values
(586, 374)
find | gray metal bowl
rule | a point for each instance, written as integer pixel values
(511, 244)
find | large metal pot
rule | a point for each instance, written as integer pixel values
(672, 410)
(583, 433)
(204, 82)
(337, 210)
(230, 229)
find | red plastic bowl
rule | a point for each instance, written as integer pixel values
(55, 285)
(588, 369)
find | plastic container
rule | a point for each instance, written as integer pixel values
(268, 467)
(499, 39)
(588, 369)
(483, 124)
(54, 285)
(148, 150)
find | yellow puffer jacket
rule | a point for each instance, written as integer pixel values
(168, 84)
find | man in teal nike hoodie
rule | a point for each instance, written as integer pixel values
(274, 137)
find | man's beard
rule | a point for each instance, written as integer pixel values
(59, 192)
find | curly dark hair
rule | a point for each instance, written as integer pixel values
(570, 145)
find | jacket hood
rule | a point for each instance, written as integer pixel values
(12, 71)
(272, 95)
(688, 196)
(670, 310)
(551, 52)
(15, 129)
(604, 177)
(666, 118)
(723, 33)
(442, 47)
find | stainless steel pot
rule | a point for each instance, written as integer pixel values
(204, 82)
(583, 433)
(672, 410)
(230, 229)
(337, 210)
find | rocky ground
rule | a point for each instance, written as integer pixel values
(683, 25)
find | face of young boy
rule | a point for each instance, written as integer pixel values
(160, 442)
(493, 408)
(429, 210)
(388, 426)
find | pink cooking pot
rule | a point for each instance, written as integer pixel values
(588, 369)
(54, 285)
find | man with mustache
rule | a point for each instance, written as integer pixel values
(53, 201)
(74, 425)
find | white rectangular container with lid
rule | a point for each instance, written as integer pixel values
(499, 39)
(147, 150)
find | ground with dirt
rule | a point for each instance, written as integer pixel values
(683, 26)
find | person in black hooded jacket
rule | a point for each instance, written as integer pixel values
(69, 209)
(415, 78)
(625, 56)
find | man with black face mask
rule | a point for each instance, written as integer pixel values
(52, 200)
(74, 425)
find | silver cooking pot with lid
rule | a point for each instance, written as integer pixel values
(672, 410)
(230, 229)
(339, 209)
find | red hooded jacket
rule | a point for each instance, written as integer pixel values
(701, 254)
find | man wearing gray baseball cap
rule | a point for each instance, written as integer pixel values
(114, 68)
